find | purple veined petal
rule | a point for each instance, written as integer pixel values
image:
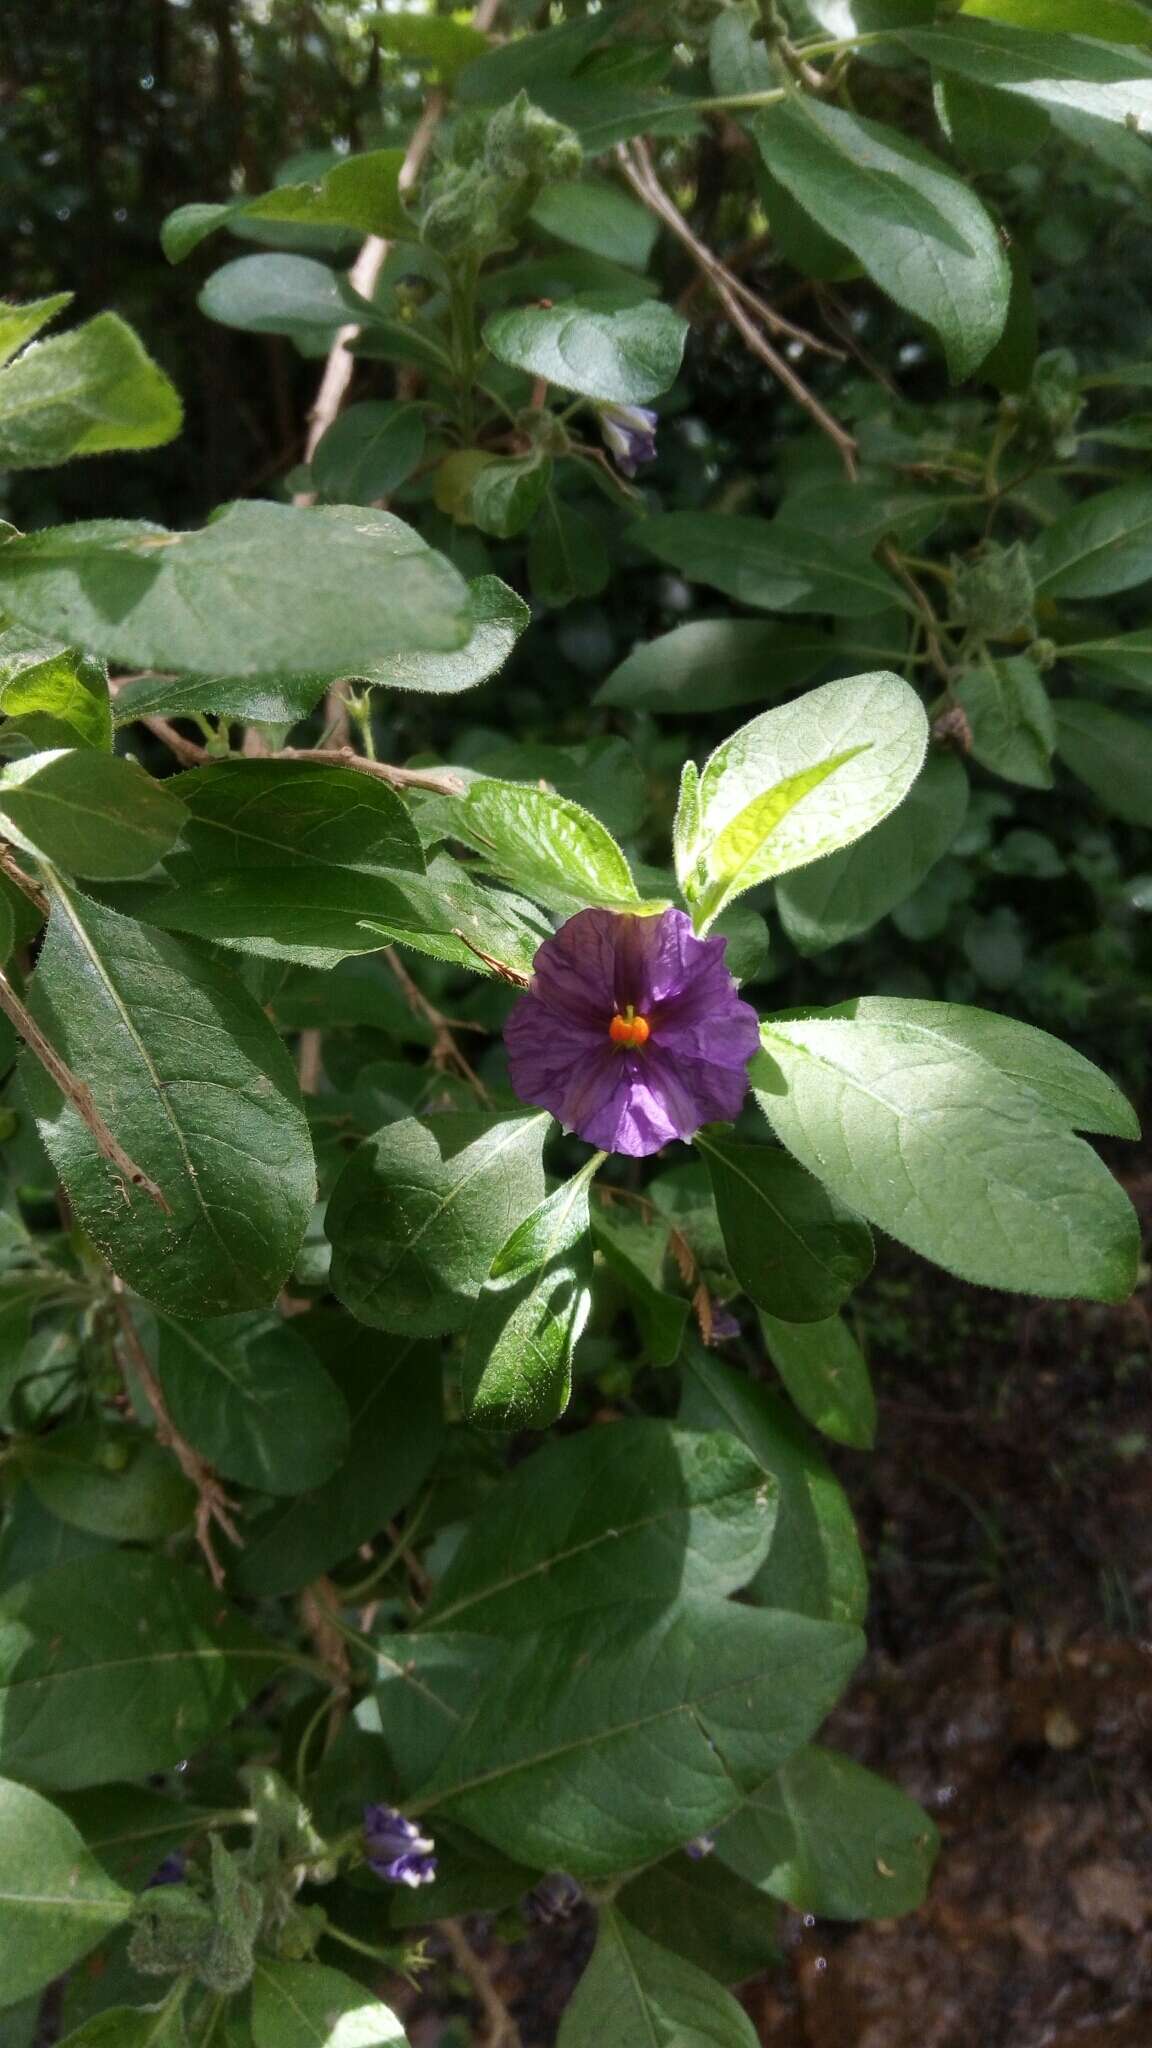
(604, 970)
(396, 1850)
(629, 434)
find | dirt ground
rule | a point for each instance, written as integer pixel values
(1005, 1513)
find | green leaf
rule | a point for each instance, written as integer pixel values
(850, 891)
(84, 393)
(290, 295)
(828, 1837)
(1115, 21)
(55, 1901)
(530, 62)
(641, 1510)
(550, 847)
(109, 1479)
(919, 232)
(621, 355)
(1011, 719)
(516, 1372)
(636, 1251)
(1109, 752)
(795, 1251)
(766, 562)
(18, 324)
(712, 664)
(248, 1393)
(436, 39)
(824, 1370)
(990, 130)
(936, 1142)
(361, 192)
(799, 782)
(567, 557)
(91, 814)
(633, 1991)
(591, 214)
(506, 493)
(421, 1210)
(393, 1398)
(1061, 72)
(367, 451)
(193, 1081)
(706, 1915)
(607, 1739)
(280, 700)
(814, 1565)
(498, 618)
(264, 589)
(1105, 545)
(307, 2005)
(1070, 1088)
(61, 701)
(134, 2026)
(129, 1828)
(141, 1654)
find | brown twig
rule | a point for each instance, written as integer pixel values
(441, 781)
(212, 1503)
(189, 753)
(891, 558)
(27, 887)
(310, 1060)
(499, 968)
(502, 2029)
(79, 1094)
(445, 1051)
(636, 165)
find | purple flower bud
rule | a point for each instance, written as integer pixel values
(397, 1851)
(631, 1031)
(630, 435)
(701, 1847)
(170, 1871)
(724, 1324)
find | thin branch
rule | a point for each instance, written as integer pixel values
(892, 559)
(27, 887)
(442, 781)
(502, 2029)
(79, 1094)
(446, 1054)
(188, 752)
(636, 165)
(212, 1503)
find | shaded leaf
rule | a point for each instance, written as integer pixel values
(141, 1654)
(795, 1251)
(828, 1837)
(192, 1079)
(264, 589)
(633, 1990)
(421, 1210)
(248, 1392)
(92, 814)
(642, 1510)
(823, 1368)
(55, 1900)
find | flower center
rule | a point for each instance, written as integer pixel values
(629, 1029)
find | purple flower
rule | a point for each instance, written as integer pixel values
(724, 1324)
(170, 1871)
(630, 434)
(631, 1032)
(701, 1847)
(397, 1851)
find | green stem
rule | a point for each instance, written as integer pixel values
(362, 1948)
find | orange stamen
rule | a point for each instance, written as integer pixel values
(629, 1029)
